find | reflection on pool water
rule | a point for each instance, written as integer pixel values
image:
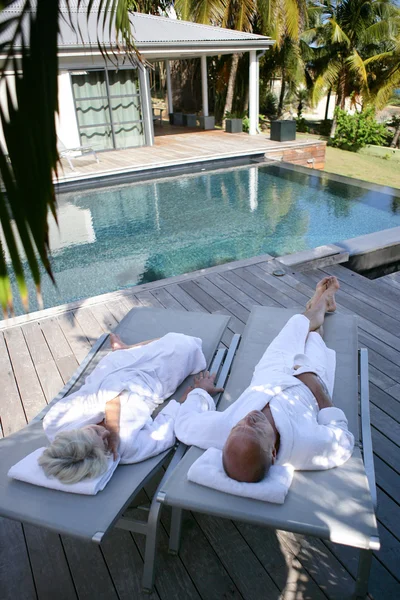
(118, 237)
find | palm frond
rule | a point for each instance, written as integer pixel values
(357, 65)
(28, 112)
(326, 80)
(338, 35)
(184, 9)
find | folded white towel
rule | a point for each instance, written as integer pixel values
(30, 471)
(209, 471)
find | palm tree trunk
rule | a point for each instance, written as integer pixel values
(231, 86)
(282, 94)
(327, 104)
(396, 138)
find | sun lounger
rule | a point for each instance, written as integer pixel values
(92, 517)
(76, 152)
(337, 504)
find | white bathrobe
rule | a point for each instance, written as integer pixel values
(310, 439)
(144, 376)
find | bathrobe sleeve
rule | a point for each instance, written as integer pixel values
(155, 436)
(332, 443)
(198, 424)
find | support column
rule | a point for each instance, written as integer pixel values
(204, 85)
(147, 109)
(169, 87)
(253, 93)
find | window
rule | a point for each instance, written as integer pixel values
(108, 108)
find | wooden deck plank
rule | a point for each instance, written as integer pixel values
(29, 387)
(15, 571)
(104, 316)
(247, 573)
(46, 368)
(12, 413)
(89, 570)
(125, 565)
(49, 565)
(75, 335)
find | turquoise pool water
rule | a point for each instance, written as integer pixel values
(119, 237)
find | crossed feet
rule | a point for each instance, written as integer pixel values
(321, 303)
(327, 287)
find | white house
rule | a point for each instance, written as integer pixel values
(108, 106)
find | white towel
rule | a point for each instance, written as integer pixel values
(209, 471)
(30, 471)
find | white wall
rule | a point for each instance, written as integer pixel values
(67, 126)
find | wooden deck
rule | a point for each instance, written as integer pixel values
(175, 146)
(218, 559)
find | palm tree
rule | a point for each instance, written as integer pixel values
(30, 160)
(284, 22)
(356, 48)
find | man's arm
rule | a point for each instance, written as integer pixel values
(332, 443)
(318, 388)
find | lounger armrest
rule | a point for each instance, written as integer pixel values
(71, 382)
(366, 424)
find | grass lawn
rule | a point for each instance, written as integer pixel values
(359, 166)
(368, 168)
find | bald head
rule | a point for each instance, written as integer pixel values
(249, 450)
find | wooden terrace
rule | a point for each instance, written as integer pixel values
(182, 145)
(218, 558)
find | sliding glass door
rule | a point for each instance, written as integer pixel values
(108, 108)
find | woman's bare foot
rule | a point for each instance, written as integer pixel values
(116, 342)
(322, 286)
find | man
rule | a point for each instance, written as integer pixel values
(286, 415)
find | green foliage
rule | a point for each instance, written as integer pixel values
(301, 125)
(325, 127)
(356, 131)
(28, 112)
(269, 104)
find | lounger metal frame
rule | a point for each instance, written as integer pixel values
(365, 445)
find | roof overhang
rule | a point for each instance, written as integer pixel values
(156, 37)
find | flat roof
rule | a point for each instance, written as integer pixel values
(155, 36)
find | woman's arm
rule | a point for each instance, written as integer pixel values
(112, 423)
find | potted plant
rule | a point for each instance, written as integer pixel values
(233, 123)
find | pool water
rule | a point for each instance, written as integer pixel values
(118, 237)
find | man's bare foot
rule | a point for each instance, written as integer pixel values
(321, 287)
(331, 288)
(116, 342)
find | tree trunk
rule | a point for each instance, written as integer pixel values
(246, 100)
(282, 94)
(327, 104)
(396, 138)
(339, 94)
(231, 86)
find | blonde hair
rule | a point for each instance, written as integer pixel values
(74, 456)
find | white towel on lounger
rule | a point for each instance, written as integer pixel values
(30, 471)
(209, 471)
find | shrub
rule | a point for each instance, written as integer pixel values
(356, 131)
(269, 105)
(301, 125)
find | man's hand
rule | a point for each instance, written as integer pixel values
(206, 382)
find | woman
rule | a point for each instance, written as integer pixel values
(111, 413)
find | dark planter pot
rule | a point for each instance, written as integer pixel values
(234, 125)
(190, 120)
(283, 131)
(177, 118)
(207, 122)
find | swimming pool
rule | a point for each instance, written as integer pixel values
(117, 237)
